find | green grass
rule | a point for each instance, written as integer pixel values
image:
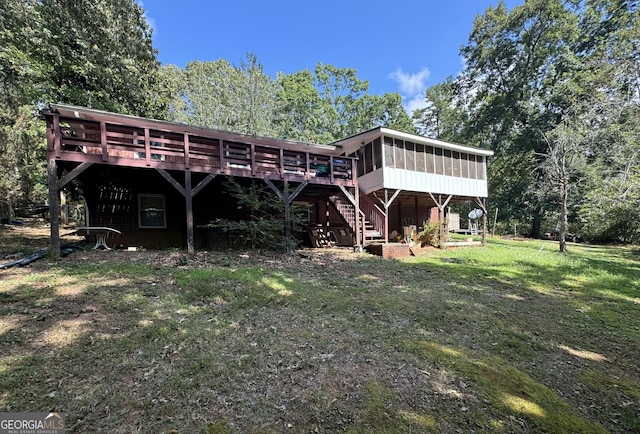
(513, 337)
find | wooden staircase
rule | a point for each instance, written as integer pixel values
(371, 216)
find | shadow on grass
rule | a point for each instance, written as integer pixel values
(456, 342)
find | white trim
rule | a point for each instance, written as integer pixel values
(164, 210)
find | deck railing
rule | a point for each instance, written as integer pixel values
(136, 146)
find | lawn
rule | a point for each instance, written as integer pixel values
(512, 337)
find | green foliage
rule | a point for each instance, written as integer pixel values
(99, 54)
(96, 54)
(262, 221)
(23, 159)
(332, 103)
(220, 95)
(430, 234)
(540, 69)
(608, 218)
(443, 115)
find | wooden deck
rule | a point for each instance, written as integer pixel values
(83, 135)
(87, 137)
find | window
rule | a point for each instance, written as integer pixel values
(368, 158)
(399, 145)
(377, 154)
(420, 159)
(152, 211)
(448, 163)
(456, 163)
(439, 161)
(431, 160)
(410, 155)
(388, 152)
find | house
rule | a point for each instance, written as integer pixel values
(158, 182)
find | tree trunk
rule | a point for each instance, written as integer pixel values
(536, 224)
(562, 235)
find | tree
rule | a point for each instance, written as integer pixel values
(332, 103)
(563, 166)
(220, 95)
(20, 134)
(262, 225)
(100, 55)
(301, 108)
(517, 63)
(87, 53)
(443, 116)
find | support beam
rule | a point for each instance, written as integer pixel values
(287, 199)
(348, 195)
(482, 203)
(73, 174)
(166, 175)
(387, 203)
(188, 194)
(287, 213)
(189, 203)
(355, 201)
(202, 184)
(274, 188)
(358, 246)
(54, 207)
(441, 207)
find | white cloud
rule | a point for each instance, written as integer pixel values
(412, 87)
(417, 102)
(411, 84)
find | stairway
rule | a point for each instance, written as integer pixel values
(371, 216)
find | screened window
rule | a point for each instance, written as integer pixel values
(464, 160)
(472, 167)
(368, 158)
(479, 167)
(456, 164)
(399, 147)
(377, 154)
(448, 163)
(420, 161)
(439, 162)
(410, 154)
(388, 152)
(431, 160)
(152, 211)
(360, 162)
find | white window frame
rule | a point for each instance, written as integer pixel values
(164, 211)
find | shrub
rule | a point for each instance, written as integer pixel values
(430, 234)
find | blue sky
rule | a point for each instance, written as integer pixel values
(400, 46)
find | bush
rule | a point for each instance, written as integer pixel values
(263, 224)
(430, 234)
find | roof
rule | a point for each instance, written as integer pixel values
(351, 144)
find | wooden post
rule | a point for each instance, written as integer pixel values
(359, 241)
(482, 203)
(495, 222)
(484, 223)
(103, 141)
(287, 213)
(54, 207)
(189, 200)
(386, 216)
(64, 209)
(288, 199)
(440, 218)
